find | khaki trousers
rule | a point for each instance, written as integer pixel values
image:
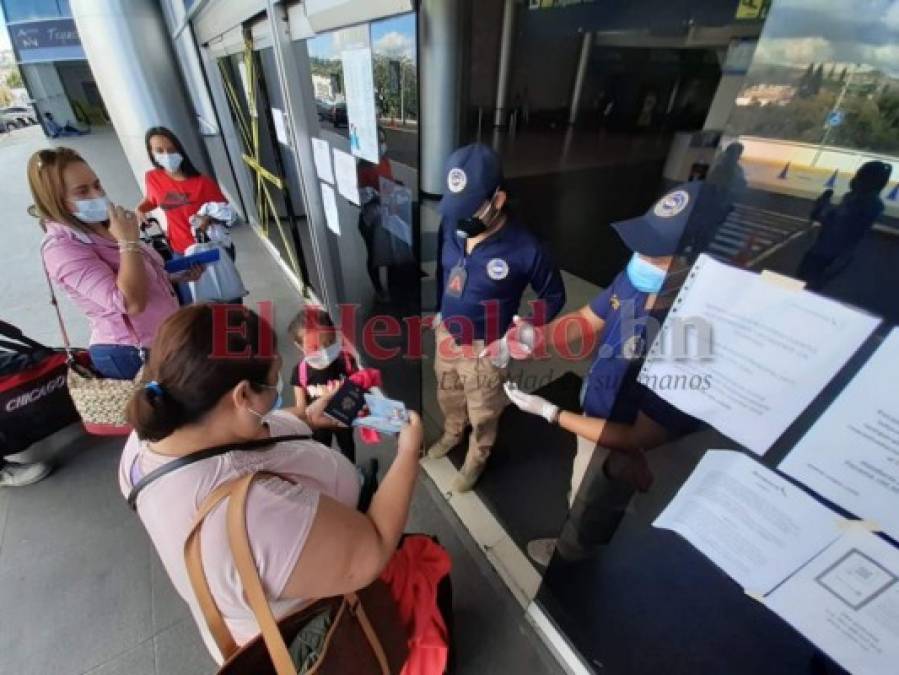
(469, 391)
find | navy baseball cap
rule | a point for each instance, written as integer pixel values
(473, 173)
(692, 206)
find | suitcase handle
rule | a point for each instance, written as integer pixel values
(14, 333)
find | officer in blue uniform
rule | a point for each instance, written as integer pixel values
(619, 316)
(486, 260)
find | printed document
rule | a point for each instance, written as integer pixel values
(846, 601)
(756, 526)
(747, 355)
(851, 454)
(321, 151)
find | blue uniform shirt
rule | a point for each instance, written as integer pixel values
(497, 272)
(623, 308)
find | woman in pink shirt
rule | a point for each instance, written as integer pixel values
(213, 379)
(92, 250)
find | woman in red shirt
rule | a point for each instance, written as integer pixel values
(175, 186)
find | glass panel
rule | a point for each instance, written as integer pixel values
(372, 232)
(647, 156)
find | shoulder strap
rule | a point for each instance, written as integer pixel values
(348, 362)
(55, 303)
(200, 455)
(238, 539)
(62, 327)
(304, 373)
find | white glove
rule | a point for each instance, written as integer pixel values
(498, 352)
(530, 403)
(517, 343)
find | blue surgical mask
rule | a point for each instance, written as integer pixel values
(170, 161)
(322, 358)
(645, 276)
(277, 403)
(92, 210)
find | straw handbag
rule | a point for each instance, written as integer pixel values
(365, 637)
(100, 401)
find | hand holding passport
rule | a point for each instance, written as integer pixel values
(383, 414)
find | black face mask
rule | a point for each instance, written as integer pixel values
(474, 226)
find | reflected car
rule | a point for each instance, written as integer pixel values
(17, 116)
(332, 111)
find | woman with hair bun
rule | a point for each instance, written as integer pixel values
(212, 382)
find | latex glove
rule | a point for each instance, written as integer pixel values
(498, 352)
(518, 343)
(530, 403)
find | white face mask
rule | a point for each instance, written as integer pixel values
(322, 358)
(170, 161)
(92, 210)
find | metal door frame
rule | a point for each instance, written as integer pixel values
(265, 180)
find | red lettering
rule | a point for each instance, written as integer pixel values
(538, 320)
(347, 325)
(448, 348)
(392, 328)
(415, 324)
(222, 328)
(562, 343)
(266, 311)
(491, 321)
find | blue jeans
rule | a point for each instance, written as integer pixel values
(116, 362)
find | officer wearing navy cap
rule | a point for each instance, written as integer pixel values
(486, 259)
(618, 316)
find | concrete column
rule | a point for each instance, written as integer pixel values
(723, 103)
(580, 76)
(504, 74)
(131, 57)
(441, 38)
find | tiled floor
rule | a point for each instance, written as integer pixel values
(81, 589)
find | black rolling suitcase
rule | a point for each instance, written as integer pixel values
(34, 396)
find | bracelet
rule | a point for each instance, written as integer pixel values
(130, 247)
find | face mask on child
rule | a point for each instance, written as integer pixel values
(322, 358)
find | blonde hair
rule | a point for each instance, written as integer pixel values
(45, 169)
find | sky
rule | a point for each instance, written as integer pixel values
(799, 32)
(394, 37)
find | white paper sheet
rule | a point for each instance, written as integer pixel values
(330, 204)
(280, 126)
(321, 151)
(347, 179)
(358, 82)
(846, 601)
(772, 351)
(750, 522)
(851, 454)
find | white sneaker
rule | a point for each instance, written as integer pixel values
(15, 474)
(541, 551)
